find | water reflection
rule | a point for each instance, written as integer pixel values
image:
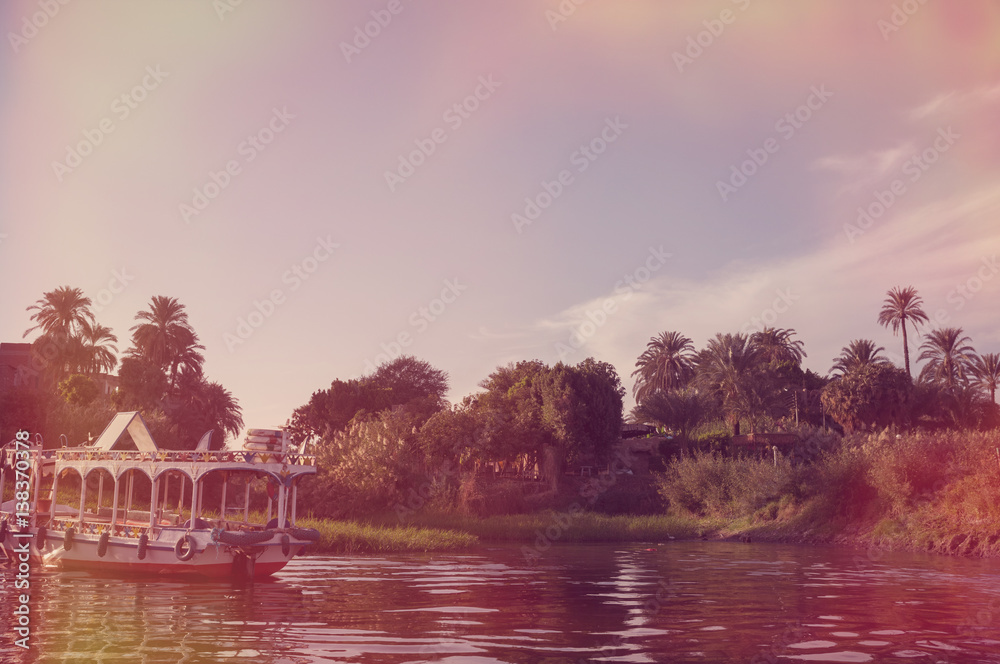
(681, 602)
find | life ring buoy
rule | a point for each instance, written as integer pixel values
(40, 538)
(143, 543)
(102, 544)
(185, 548)
(286, 545)
(68, 538)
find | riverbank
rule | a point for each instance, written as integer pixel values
(933, 492)
(930, 492)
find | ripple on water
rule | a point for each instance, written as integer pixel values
(842, 656)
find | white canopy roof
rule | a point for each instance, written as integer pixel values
(131, 422)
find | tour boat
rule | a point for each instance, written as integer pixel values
(115, 537)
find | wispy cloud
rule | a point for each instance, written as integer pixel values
(872, 166)
(957, 101)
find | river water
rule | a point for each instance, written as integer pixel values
(676, 602)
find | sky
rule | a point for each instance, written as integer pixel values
(328, 185)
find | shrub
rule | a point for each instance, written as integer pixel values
(708, 484)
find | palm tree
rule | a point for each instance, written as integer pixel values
(859, 353)
(200, 406)
(60, 315)
(985, 370)
(730, 366)
(948, 354)
(901, 305)
(666, 364)
(777, 345)
(98, 348)
(62, 312)
(679, 410)
(165, 338)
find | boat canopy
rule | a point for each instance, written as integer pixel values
(132, 423)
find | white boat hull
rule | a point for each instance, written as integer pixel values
(211, 557)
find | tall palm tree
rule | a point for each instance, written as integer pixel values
(948, 353)
(730, 366)
(98, 348)
(164, 337)
(60, 316)
(859, 353)
(62, 311)
(679, 410)
(901, 305)
(777, 345)
(985, 370)
(666, 364)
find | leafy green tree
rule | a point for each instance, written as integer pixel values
(948, 353)
(79, 390)
(902, 305)
(404, 381)
(666, 364)
(366, 468)
(859, 353)
(873, 395)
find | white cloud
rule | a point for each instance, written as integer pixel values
(957, 101)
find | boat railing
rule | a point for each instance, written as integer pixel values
(171, 456)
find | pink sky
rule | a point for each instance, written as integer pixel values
(619, 100)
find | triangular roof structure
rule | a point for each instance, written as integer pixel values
(131, 422)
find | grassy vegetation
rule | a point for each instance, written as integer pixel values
(937, 492)
(572, 527)
(349, 537)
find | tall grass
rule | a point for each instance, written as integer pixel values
(572, 526)
(349, 537)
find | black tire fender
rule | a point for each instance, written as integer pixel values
(185, 548)
(102, 544)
